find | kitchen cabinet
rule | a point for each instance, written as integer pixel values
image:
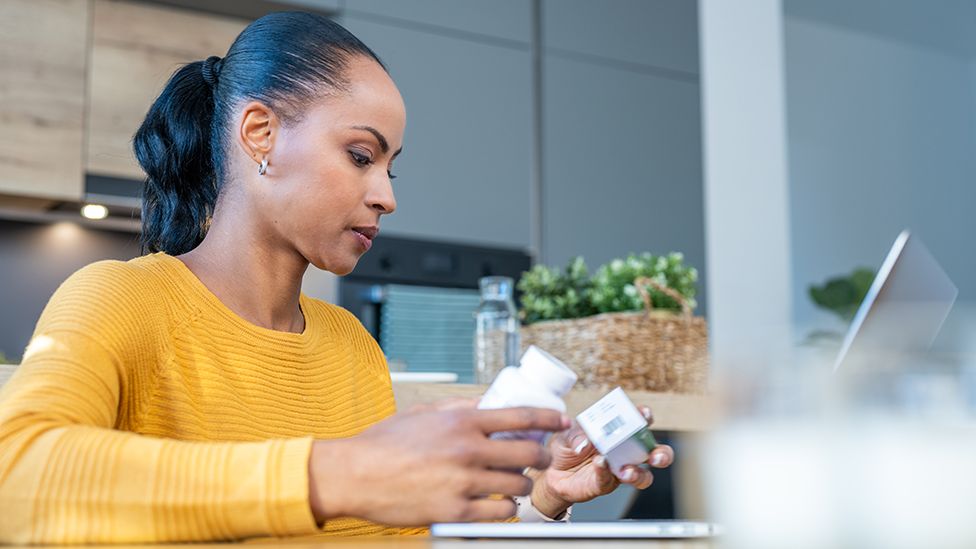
(135, 48)
(43, 55)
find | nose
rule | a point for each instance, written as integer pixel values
(380, 197)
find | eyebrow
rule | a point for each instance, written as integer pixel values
(384, 144)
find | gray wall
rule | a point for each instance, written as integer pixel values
(622, 130)
(34, 260)
(464, 69)
(882, 134)
(621, 154)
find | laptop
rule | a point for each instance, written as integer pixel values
(620, 529)
(900, 317)
(903, 310)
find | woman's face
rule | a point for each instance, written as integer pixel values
(328, 179)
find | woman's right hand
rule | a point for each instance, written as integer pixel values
(432, 466)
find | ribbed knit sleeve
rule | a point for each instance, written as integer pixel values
(67, 475)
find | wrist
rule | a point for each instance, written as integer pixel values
(327, 496)
(545, 498)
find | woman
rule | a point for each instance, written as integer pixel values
(196, 394)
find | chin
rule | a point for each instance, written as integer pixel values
(342, 270)
(341, 267)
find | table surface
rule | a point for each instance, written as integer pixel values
(436, 543)
(672, 411)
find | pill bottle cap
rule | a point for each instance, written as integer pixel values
(543, 369)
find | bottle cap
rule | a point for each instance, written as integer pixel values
(496, 287)
(546, 370)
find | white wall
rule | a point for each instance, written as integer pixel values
(747, 220)
(882, 136)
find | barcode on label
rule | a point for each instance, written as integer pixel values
(613, 425)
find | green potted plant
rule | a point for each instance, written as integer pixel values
(629, 324)
(551, 294)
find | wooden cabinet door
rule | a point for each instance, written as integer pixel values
(43, 53)
(135, 49)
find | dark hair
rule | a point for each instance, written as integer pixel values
(286, 60)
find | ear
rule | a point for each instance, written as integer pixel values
(258, 130)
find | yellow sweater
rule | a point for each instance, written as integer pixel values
(145, 410)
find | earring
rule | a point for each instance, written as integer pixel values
(263, 168)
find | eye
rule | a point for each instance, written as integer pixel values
(391, 176)
(360, 159)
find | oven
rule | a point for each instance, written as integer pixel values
(418, 297)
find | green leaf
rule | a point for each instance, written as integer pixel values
(549, 294)
(843, 295)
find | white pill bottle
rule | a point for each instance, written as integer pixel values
(540, 381)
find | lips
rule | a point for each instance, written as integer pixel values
(368, 232)
(365, 235)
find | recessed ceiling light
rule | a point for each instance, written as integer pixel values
(94, 211)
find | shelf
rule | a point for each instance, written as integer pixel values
(672, 411)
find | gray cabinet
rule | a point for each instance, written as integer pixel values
(622, 163)
(621, 130)
(504, 20)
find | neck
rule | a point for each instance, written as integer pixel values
(254, 278)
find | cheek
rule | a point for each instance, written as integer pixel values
(325, 199)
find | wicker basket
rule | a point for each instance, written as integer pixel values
(650, 350)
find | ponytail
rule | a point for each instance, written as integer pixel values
(285, 60)
(173, 146)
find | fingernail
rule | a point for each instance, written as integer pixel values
(657, 460)
(600, 461)
(566, 421)
(646, 411)
(629, 475)
(580, 445)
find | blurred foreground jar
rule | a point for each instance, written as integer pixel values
(875, 455)
(496, 339)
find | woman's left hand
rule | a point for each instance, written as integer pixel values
(578, 473)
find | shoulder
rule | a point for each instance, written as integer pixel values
(111, 272)
(104, 292)
(115, 281)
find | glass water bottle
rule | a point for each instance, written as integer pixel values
(496, 340)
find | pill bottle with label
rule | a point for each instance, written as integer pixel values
(617, 430)
(540, 381)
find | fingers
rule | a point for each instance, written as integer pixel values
(637, 477)
(512, 454)
(570, 448)
(488, 509)
(521, 419)
(606, 480)
(576, 441)
(648, 415)
(502, 483)
(455, 403)
(661, 456)
(419, 408)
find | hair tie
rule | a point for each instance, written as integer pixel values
(211, 70)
